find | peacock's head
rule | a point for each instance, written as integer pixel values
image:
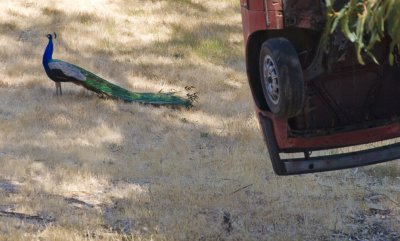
(49, 36)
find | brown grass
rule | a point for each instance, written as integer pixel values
(84, 168)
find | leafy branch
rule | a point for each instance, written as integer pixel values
(365, 23)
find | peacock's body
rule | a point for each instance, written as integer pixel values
(60, 71)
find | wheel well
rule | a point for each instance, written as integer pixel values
(303, 40)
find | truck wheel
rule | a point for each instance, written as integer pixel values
(281, 77)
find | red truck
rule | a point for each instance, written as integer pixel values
(309, 100)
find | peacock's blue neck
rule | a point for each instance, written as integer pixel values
(48, 54)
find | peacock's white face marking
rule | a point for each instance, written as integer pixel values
(68, 70)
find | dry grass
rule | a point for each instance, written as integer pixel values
(83, 168)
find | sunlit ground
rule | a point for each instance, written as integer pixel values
(77, 167)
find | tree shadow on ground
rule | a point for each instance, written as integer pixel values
(183, 167)
(151, 144)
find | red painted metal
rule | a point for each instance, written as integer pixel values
(256, 5)
(244, 3)
(254, 16)
(275, 19)
(253, 21)
(273, 14)
(343, 139)
(275, 5)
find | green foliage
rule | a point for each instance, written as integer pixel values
(365, 23)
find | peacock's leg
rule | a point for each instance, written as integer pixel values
(58, 87)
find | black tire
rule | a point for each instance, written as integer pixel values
(281, 77)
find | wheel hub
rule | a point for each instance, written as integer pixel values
(271, 79)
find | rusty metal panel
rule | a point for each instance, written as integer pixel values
(274, 5)
(350, 138)
(259, 5)
(244, 3)
(274, 20)
(342, 161)
(253, 21)
(273, 14)
(256, 5)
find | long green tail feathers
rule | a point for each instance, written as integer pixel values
(102, 86)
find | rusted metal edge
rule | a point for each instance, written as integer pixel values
(342, 161)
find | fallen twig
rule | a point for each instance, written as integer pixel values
(24, 216)
(240, 189)
(76, 201)
(387, 197)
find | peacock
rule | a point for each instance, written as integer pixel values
(61, 71)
